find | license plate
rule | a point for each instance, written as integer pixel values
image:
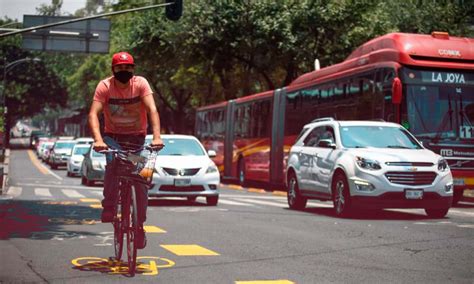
(414, 193)
(182, 182)
(458, 181)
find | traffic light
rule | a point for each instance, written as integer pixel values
(175, 10)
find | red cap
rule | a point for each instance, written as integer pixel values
(122, 58)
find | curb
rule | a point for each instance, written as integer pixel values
(6, 163)
(254, 189)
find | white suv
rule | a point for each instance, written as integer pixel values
(366, 165)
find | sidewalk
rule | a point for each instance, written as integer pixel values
(4, 167)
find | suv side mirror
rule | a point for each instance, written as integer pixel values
(211, 153)
(326, 143)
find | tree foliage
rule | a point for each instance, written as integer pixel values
(220, 50)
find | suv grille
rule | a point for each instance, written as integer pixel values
(181, 172)
(409, 164)
(411, 178)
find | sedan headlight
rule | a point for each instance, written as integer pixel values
(212, 169)
(96, 165)
(368, 164)
(442, 165)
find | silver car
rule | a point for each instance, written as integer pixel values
(366, 165)
(184, 169)
(60, 153)
(93, 167)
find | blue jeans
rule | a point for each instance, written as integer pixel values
(111, 184)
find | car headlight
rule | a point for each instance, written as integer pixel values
(368, 164)
(96, 165)
(212, 169)
(442, 165)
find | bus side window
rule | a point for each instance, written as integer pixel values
(387, 78)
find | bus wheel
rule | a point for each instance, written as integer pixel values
(295, 200)
(241, 171)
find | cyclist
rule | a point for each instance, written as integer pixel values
(125, 100)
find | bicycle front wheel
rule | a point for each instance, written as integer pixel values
(132, 231)
(118, 229)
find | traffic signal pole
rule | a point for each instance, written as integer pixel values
(176, 8)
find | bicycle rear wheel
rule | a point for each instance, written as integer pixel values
(118, 228)
(132, 230)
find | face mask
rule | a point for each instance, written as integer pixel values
(123, 76)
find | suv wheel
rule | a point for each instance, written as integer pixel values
(341, 195)
(295, 200)
(436, 213)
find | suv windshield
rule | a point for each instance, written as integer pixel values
(440, 104)
(377, 137)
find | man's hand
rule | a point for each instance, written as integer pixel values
(157, 143)
(99, 146)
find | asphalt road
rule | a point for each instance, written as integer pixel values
(50, 232)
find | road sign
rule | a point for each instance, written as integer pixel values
(91, 36)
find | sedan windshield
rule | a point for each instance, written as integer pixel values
(181, 147)
(80, 150)
(377, 137)
(65, 145)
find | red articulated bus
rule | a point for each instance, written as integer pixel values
(424, 82)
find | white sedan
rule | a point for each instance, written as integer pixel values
(184, 169)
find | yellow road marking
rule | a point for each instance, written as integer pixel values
(89, 200)
(37, 163)
(189, 250)
(153, 229)
(251, 189)
(266, 282)
(279, 193)
(234, 186)
(60, 202)
(96, 206)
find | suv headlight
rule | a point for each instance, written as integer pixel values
(442, 165)
(368, 164)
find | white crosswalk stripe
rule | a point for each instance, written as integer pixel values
(230, 202)
(44, 192)
(14, 191)
(261, 202)
(72, 193)
(226, 199)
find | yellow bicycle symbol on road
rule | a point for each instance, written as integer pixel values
(146, 265)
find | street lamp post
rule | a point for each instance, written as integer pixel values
(6, 68)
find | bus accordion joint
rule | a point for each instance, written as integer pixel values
(396, 91)
(440, 35)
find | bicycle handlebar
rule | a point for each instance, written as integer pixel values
(134, 151)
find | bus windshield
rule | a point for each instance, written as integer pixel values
(440, 104)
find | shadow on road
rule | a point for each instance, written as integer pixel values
(43, 220)
(386, 215)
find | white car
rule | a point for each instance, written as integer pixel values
(60, 153)
(84, 140)
(366, 165)
(74, 162)
(183, 169)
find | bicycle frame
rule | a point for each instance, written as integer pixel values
(126, 211)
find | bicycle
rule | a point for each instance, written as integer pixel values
(129, 169)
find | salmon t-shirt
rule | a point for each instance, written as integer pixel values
(124, 111)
